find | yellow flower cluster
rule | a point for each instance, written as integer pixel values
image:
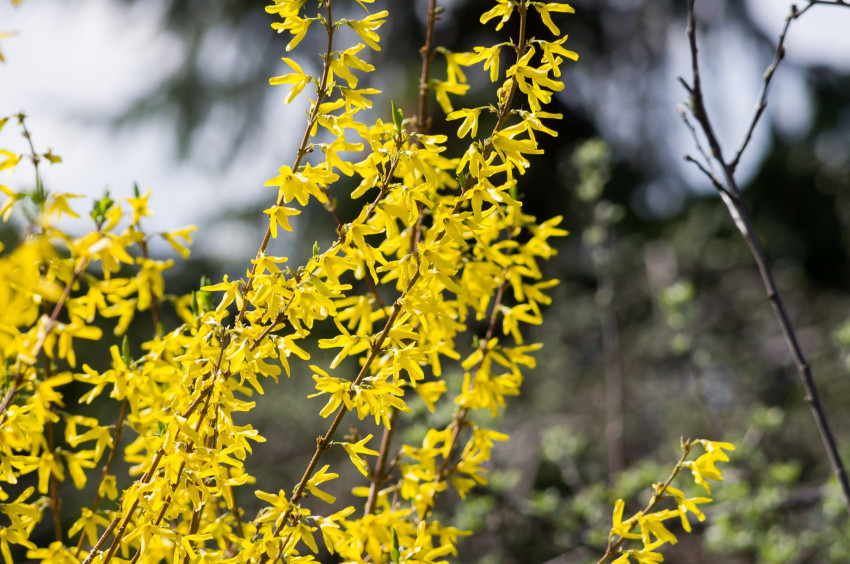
(440, 242)
(649, 522)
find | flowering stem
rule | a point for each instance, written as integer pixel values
(203, 396)
(422, 125)
(321, 92)
(116, 436)
(190, 447)
(615, 542)
(48, 326)
(423, 120)
(324, 443)
(459, 421)
(55, 500)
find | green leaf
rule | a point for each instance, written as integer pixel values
(398, 117)
(396, 552)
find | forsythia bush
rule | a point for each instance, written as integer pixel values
(440, 242)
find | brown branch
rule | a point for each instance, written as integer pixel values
(740, 213)
(427, 52)
(379, 475)
(423, 120)
(236, 511)
(459, 420)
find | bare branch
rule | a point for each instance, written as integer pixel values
(761, 105)
(706, 166)
(713, 179)
(731, 195)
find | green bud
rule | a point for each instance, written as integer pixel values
(100, 208)
(125, 351)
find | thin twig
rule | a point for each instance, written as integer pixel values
(55, 500)
(209, 444)
(740, 213)
(710, 175)
(423, 120)
(708, 167)
(34, 157)
(379, 475)
(427, 52)
(601, 255)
